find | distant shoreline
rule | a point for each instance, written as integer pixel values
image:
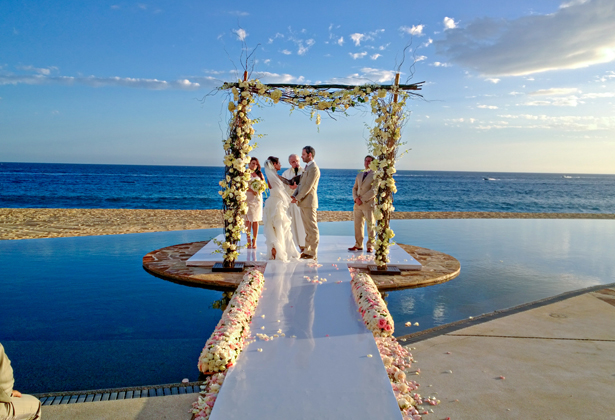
(32, 223)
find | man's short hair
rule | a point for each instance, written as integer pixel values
(294, 154)
(310, 149)
(369, 156)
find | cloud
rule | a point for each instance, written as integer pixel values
(578, 34)
(115, 6)
(237, 13)
(554, 92)
(340, 41)
(277, 35)
(356, 38)
(413, 30)
(568, 101)
(427, 43)
(358, 55)
(439, 64)
(449, 23)
(44, 70)
(367, 75)
(599, 95)
(286, 52)
(375, 56)
(492, 80)
(302, 49)
(241, 34)
(574, 123)
(268, 77)
(93, 81)
(419, 58)
(487, 107)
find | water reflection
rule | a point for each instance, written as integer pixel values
(222, 303)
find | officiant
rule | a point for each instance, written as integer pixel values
(294, 174)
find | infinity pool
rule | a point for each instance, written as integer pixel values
(81, 313)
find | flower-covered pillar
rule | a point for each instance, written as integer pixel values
(385, 138)
(236, 176)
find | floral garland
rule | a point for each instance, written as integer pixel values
(373, 309)
(236, 178)
(201, 408)
(310, 97)
(229, 336)
(385, 138)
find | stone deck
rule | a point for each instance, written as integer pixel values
(170, 264)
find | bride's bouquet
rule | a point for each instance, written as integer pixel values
(258, 185)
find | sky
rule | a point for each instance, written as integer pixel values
(524, 86)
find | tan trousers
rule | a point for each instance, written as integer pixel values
(25, 407)
(312, 236)
(361, 214)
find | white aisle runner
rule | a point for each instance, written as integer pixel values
(324, 371)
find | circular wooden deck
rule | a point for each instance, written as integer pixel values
(170, 264)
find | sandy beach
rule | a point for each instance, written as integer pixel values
(53, 223)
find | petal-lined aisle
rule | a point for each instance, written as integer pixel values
(312, 358)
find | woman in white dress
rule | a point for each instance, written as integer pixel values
(278, 236)
(254, 200)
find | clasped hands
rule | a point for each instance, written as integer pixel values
(358, 201)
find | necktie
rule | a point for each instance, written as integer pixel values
(365, 174)
(296, 170)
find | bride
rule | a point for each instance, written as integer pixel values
(278, 236)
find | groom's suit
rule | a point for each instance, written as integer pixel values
(307, 200)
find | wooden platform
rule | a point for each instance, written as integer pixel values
(170, 264)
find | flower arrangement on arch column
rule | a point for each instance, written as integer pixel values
(384, 142)
(236, 176)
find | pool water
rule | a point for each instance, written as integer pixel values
(81, 313)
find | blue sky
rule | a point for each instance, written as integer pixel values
(520, 86)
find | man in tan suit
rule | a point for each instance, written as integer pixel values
(306, 197)
(364, 195)
(14, 404)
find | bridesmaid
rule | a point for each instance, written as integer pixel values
(255, 205)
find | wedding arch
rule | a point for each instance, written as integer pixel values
(388, 107)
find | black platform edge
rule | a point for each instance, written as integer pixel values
(74, 397)
(481, 319)
(219, 267)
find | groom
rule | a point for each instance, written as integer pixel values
(306, 197)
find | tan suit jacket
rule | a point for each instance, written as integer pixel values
(6, 377)
(306, 192)
(363, 188)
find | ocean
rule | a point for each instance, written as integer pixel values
(46, 185)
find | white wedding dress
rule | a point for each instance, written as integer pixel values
(276, 222)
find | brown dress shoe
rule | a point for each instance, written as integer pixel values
(355, 248)
(370, 250)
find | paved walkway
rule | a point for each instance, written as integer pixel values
(551, 362)
(558, 362)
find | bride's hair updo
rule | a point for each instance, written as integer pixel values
(257, 171)
(273, 159)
